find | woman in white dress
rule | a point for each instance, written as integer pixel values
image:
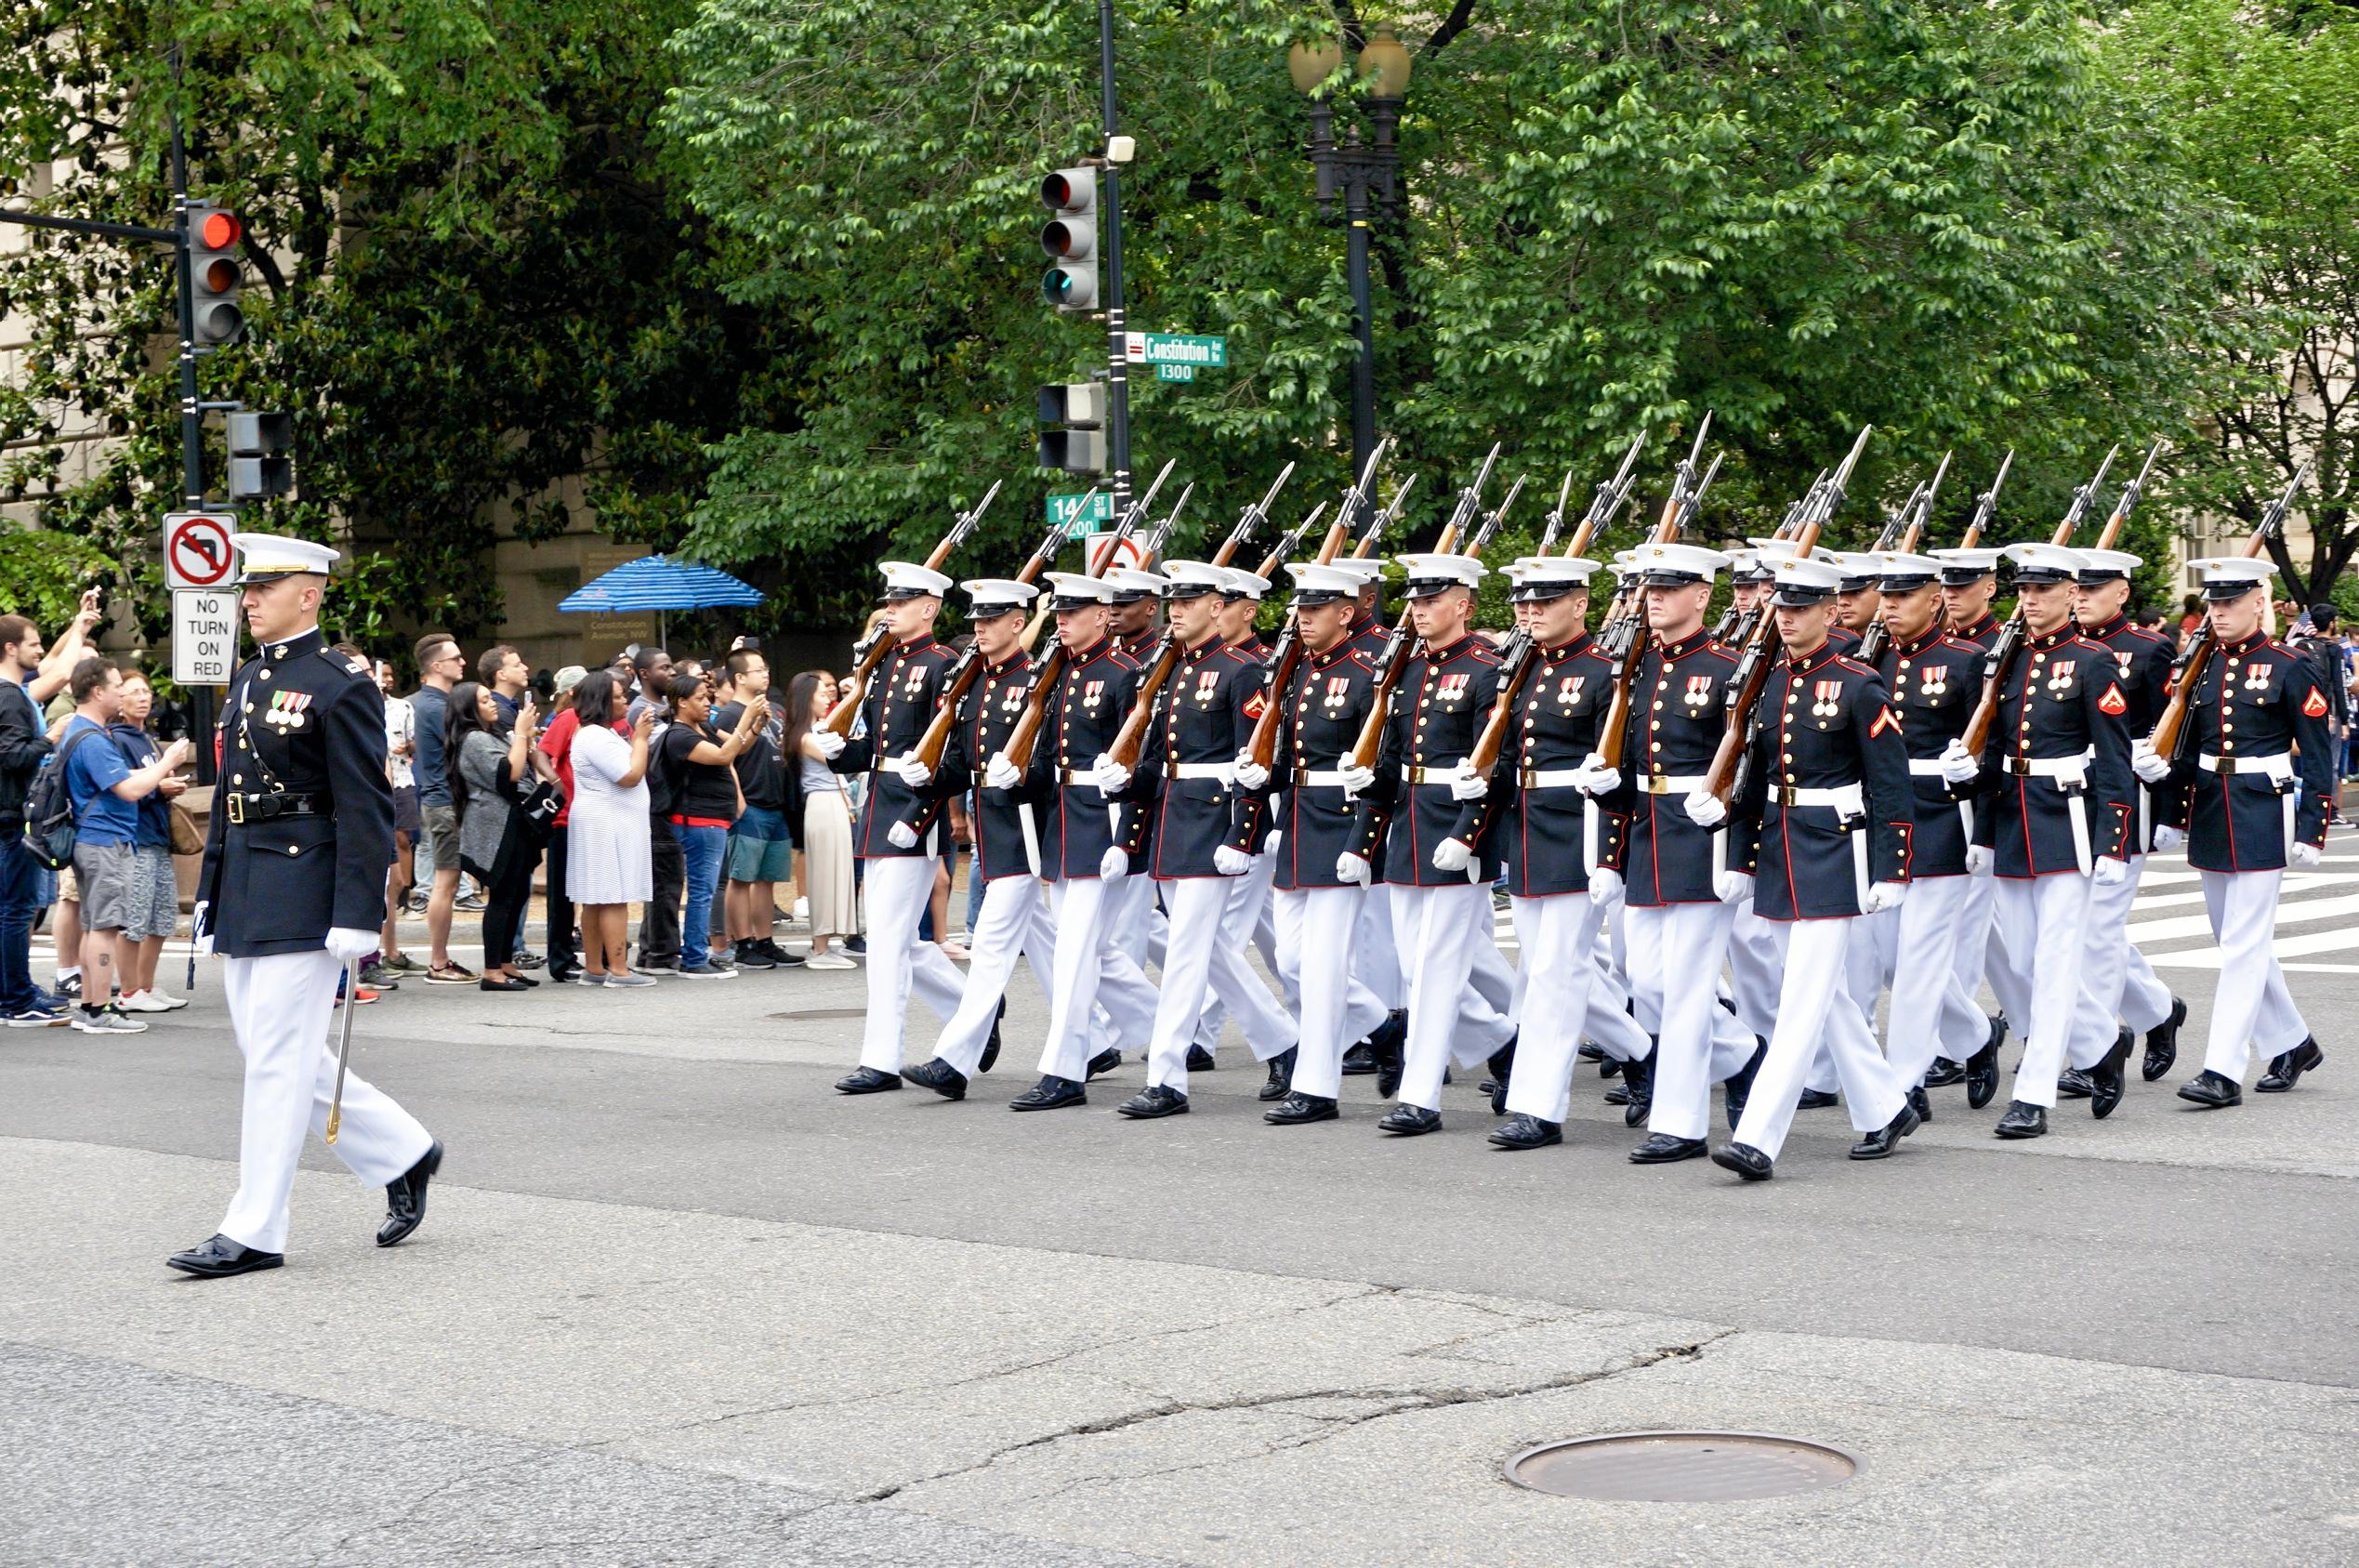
(609, 864)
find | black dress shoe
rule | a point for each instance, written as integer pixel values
(1944, 1072)
(1662, 1148)
(1281, 1078)
(1200, 1060)
(1102, 1064)
(1591, 1051)
(1620, 1093)
(2162, 1042)
(991, 1046)
(1922, 1103)
(1360, 1061)
(1051, 1093)
(1410, 1120)
(1746, 1160)
(1157, 1099)
(1610, 1068)
(1501, 1065)
(405, 1198)
(867, 1080)
(940, 1078)
(1527, 1132)
(219, 1258)
(1817, 1099)
(2075, 1083)
(1981, 1068)
(1879, 1144)
(2213, 1091)
(1299, 1107)
(1389, 1043)
(2022, 1120)
(1640, 1076)
(2286, 1071)
(1740, 1083)
(2110, 1076)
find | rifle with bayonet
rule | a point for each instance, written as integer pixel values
(1516, 660)
(1726, 776)
(1625, 636)
(1911, 522)
(1986, 506)
(2000, 661)
(2129, 502)
(1132, 737)
(1735, 626)
(870, 650)
(2171, 730)
(1050, 668)
(1389, 661)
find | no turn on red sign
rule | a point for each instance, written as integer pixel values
(196, 550)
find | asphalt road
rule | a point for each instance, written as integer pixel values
(677, 1299)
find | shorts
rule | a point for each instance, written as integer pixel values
(759, 850)
(441, 836)
(405, 816)
(106, 873)
(65, 886)
(152, 905)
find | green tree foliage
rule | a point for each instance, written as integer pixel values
(1804, 217)
(2265, 102)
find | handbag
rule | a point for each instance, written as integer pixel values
(536, 809)
(187, 838)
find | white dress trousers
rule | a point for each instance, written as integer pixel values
(1926, 931)
(1753, 950)
(1089, 971)
(1449, 1019)
(1676, 951)
(1816, 1003)
(1315, 927)
(1376, 956)
(1558, 938)
(896, 888)
(2252, 1013)
(2042, 918)
(1198, 952)
(2116, 983)
(280, 1007)
(1012, 922)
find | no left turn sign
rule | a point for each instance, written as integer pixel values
(196, 550)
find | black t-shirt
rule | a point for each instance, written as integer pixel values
(760, 771)
(707, 791)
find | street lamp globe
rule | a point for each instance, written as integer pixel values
(1386, 58)
(1310, 64)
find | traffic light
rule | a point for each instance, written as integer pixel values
(259, 464)
(214, 274)
(1070, 239)
(1081, 450)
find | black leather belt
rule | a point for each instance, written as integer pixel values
(244, 809)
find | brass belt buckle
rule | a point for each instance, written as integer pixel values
(237, 810)
(1659, 784)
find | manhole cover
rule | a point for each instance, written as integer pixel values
(1682, 1467)
(808, 1014)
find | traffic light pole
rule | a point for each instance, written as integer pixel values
(201, 715)
(1117, 357)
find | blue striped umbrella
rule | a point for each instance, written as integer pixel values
(658, 584)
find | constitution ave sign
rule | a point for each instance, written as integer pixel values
(1177, 356)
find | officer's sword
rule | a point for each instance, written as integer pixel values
(343, 1051)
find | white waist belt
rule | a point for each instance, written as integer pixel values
(1225, 772)
(1925, 767)
(1548, 778)
(1671, 783)
(1318, 777)
(2073, 768)
(1846, 798)
(2277, 768)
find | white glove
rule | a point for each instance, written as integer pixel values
(2305, 855)
(912, 770)
(2108, 871)
(1957, 765)
(902, 836)
(200, 925)
(1733, 887)
(1885, 895)
(1000, 773)
(1231, 862)
(1465, 783)
(1352, 868)
(1705, 810)
(1356, 779)
(1451, 854)
(2167, 838)
(1113, 864)
(1270, 845)
(350, 945)
(1606, 887)
(1250, 774)
(2147, 764)
(1110, 777)
(830, 744)
(1593, 777)
(1979, 861)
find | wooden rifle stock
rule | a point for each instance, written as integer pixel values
(870, 650)
(1131, 739)
(1371, 740)
(2203, 645)
(2001, 662)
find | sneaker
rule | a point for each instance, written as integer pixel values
(955, 950)
(145, 1002)
(37, 1017)
(622, 982)
(706, 971)
(858, 945)
(449, 974)
(527, 960)
(171, 1004)
(751, 956)
(361, 997)
(583, 977)
(779, 955)
(375, 973)
(106, 1021)
(471, 902)
(69, 986)
(658, 966)
(800, 914)
(829, 960)
(401, 964)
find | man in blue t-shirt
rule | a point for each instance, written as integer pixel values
(106, 791)
(439, 665)
(152, 910)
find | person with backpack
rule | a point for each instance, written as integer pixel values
(25, 744)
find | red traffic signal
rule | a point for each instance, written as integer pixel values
(214, 278)
(217, 230)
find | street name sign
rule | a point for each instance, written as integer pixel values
(1067, 511)
(1175, 347)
